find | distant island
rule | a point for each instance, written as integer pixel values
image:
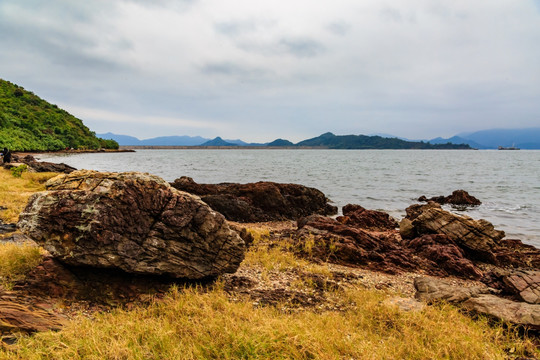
(29, 123)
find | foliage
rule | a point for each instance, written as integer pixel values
(16, 260)
(18, 170)
(29, 123)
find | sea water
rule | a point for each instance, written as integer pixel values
(507, 182)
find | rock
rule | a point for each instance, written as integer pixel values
(406, 229)
(477, 237)
(512, 252)
(134, 222)
(518, 313)
(261, 201)
(16, 317)
(357, 216)
(43, 166)
(458, 197)
(478, 299)
(7, 228)
(415, 210)
(525, 284)
(445, 254)
(432, 290)
(405, 304)
(326, 239)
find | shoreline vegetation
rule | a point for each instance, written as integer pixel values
(277, 305)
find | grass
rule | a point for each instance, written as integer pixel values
(16, 260)
(15, 191)
(195, 324)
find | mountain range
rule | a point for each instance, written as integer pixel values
(485, 139)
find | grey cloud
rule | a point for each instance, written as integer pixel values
(302, 47)
(237, 71)
(235, 28)
(339, 28)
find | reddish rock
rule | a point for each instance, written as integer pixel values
(525, 284)
(357, 216)
(132, 222)
(261, 201)
(15, 317)
(512, 252)
(458, 197)
(329, 240)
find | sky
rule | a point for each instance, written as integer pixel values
(261, 70)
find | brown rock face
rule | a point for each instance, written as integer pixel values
(43, 166)
(261, 201)
(458, 197)
(347, 244)
(357, 216)
(476, 236)
(16, 317)
(133, 222)
(525, 284)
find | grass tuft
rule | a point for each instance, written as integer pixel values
(16, 260)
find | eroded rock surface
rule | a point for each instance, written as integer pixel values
(261, 201)
(134, 222)
(356, 215)
(15, 317)
(525, 284)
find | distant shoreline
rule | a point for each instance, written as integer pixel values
(186, 147)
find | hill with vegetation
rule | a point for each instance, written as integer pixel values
(331, 141)
(29, 123)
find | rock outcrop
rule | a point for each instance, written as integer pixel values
(357, 216)
(478, 237)
(525, 284)
(134, 222)
(331, 240)
(479, 300)
(458, 197)
(43, 166)
(261, 201)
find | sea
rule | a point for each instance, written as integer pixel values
(507, 182)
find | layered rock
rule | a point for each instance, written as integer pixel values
(478, 237)
(331, 240)
(261, 201)
(16, 317)
(134, 222)
(479, 300)
(43, 166)
(458, 197)
(525, 284)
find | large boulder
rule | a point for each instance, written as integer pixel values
(134, 222)
(261, 201)
(525, 284)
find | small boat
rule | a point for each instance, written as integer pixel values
(513, 147)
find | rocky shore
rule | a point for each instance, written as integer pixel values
(124, 238)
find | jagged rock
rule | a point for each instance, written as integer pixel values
(16, 317)
(43, 166)
(445, 254)
(458, 197)
(513, 252)
(330, 240)
(357, 216)
(415, 210)
(261, 201)
(525, 284)
(432, 290)
(130, 221)
(478, 237)
(519, 313)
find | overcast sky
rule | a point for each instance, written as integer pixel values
(260, 70)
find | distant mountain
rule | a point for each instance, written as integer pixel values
(332, 141)
(280, 142)
(125, 140)
(458, 140)
(528, 138)
(218, 142)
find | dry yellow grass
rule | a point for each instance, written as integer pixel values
(196, 324)
(14, 191)
(16, 260)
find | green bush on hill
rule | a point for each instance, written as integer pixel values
(29, 123)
